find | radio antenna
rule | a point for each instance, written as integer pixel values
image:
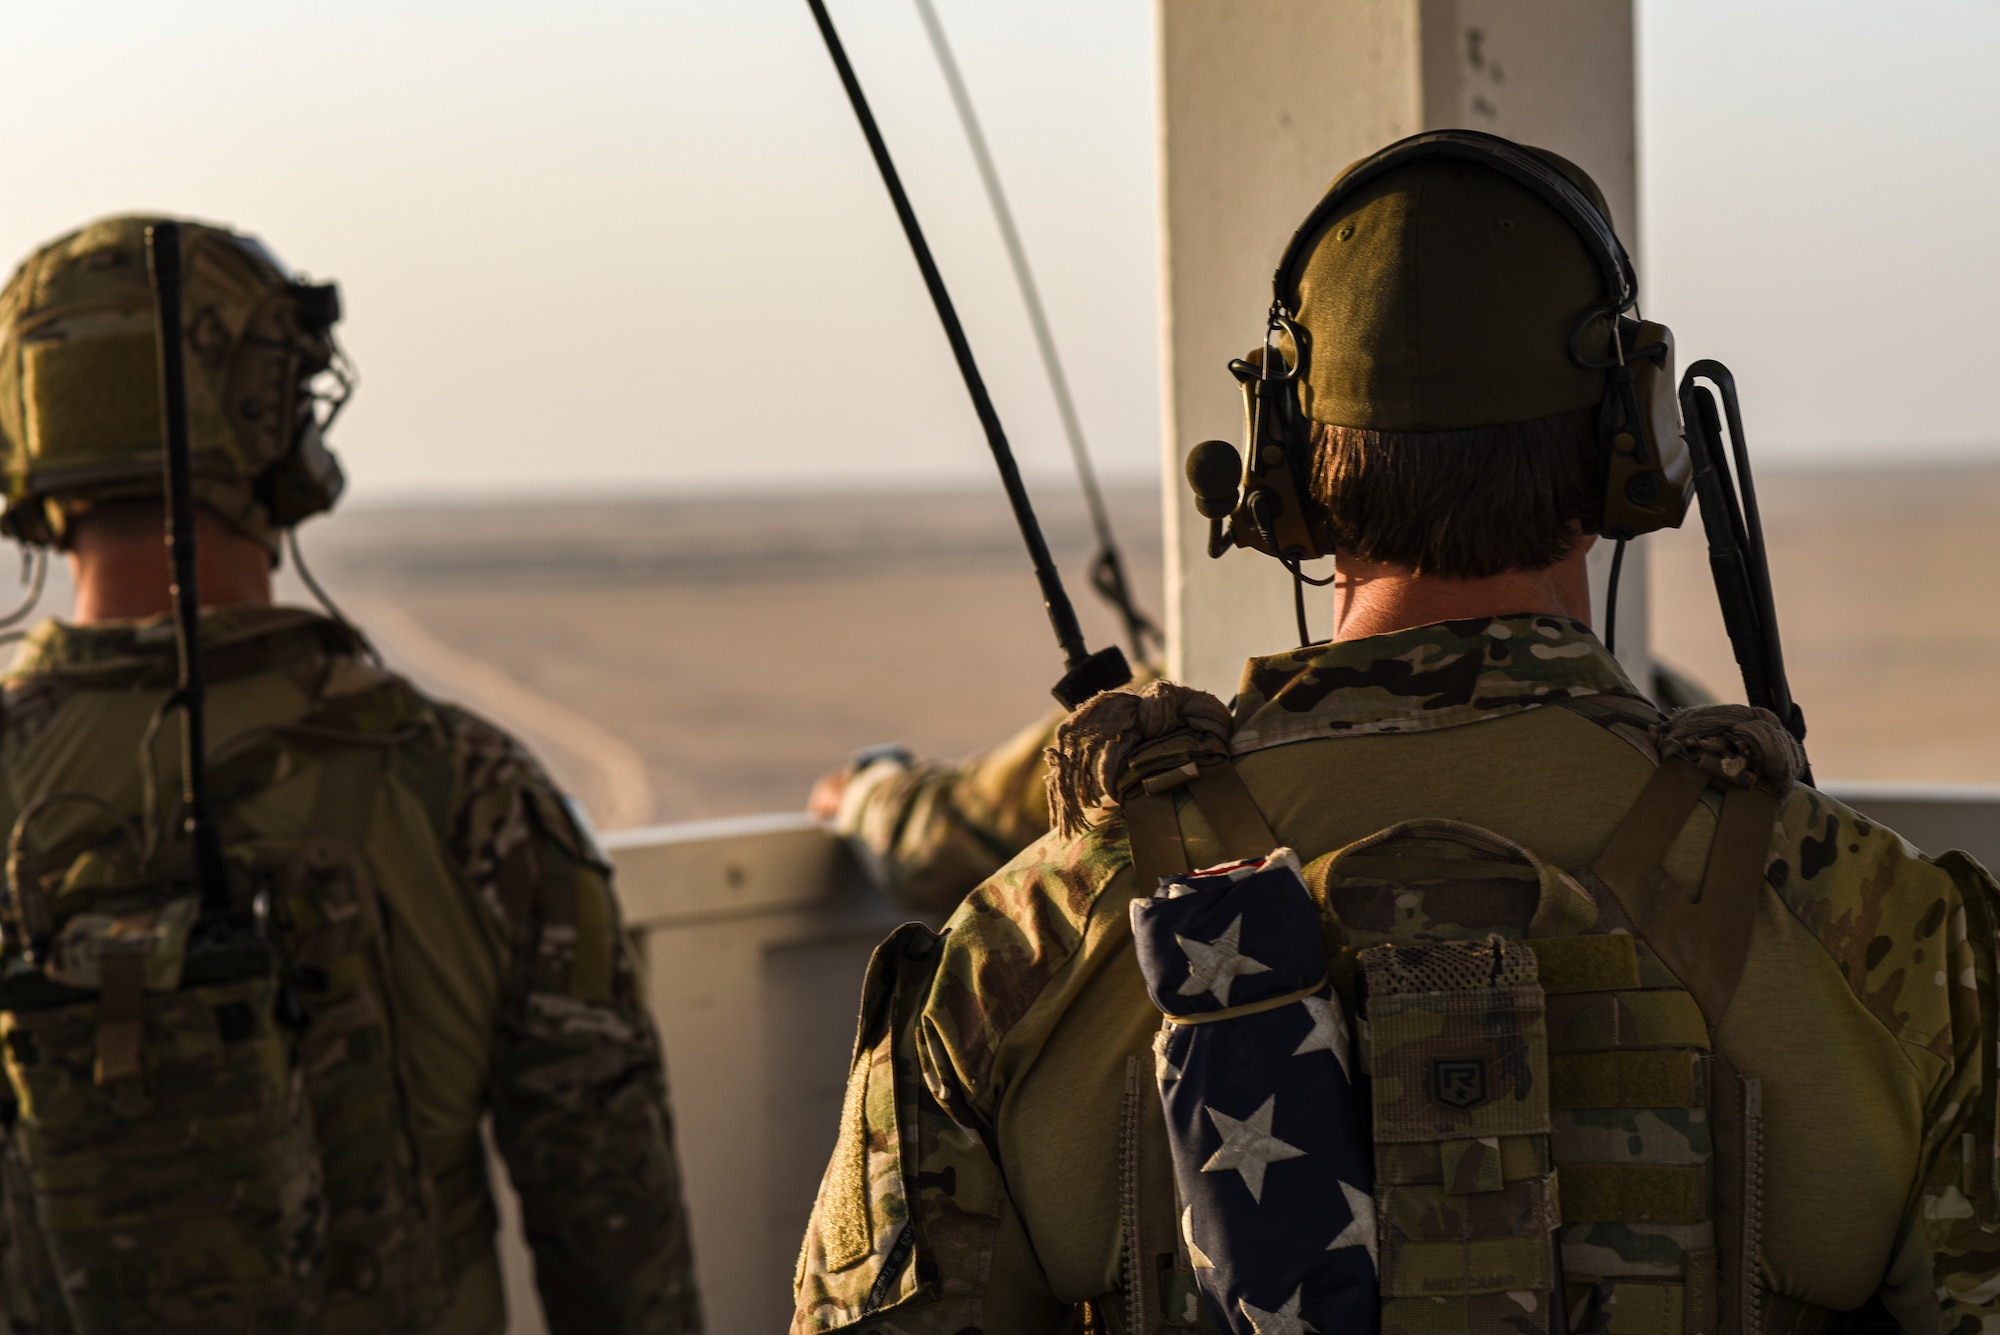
(1107, 570)
(1085, 673)
(1736, 553)
(163, 258)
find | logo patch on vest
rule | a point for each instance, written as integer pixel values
(1458, 1082)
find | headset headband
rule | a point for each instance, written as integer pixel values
(1524, 168)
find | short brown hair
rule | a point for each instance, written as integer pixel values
(1461, 504)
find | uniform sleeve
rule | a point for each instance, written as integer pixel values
(929, 832)
(915, 1230)
(912, 1231)
(579, 1090)
(1957, 1216)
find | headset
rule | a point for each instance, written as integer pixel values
(1260, 498)
(306, 479)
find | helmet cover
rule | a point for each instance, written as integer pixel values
(80, 419)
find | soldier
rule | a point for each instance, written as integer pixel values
(1724, 1055)
(448, 927)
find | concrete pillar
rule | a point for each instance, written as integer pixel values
(1262, 102)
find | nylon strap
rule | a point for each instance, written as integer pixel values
(1232, 813)
(1155, 832)
(1742, 838)
(1703, 939)
(1631, 859)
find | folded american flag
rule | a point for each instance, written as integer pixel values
(1268, 1128)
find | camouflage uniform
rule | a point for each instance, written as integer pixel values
(929, 831)
(512, 987)
(982, 1180)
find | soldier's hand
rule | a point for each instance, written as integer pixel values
(823, 804)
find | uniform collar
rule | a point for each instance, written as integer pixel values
(1419, 680)
(57, 648)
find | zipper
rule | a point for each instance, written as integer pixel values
(1128, 1204)
(1752, 1292)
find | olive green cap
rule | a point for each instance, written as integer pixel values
(80, 421)
(1442, 296)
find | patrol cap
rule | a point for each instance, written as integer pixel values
(79, 381)
(1442, 296)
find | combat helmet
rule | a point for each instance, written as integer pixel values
(79, 384)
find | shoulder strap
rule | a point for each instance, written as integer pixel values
(1704, 937)
(1153, 824)
(1232, 813)
(1154, 829)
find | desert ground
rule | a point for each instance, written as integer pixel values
(680, 659)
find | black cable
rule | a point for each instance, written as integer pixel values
(327, 605)
(35, 576)
(1086, 673)
(1107, 573)
(1611, 598)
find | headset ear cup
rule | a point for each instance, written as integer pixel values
(307, 481)
(1648, 476)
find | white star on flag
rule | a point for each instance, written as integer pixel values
(1214, 965)
(1360, 1231)
(1329, 1031)
(1285, 1321)
(1249, 1147)
(1163, 1069)
(1196, 1256)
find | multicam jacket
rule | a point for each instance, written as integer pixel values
(513, 990)
(929, 831)
(983, 1179)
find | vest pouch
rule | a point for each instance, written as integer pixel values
(162, 1132)
(1466, 1198)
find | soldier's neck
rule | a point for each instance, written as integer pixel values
(1370, 598)
(122, 574)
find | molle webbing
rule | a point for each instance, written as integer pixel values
(1629, 1093)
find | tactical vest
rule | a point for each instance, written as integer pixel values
(1558, 1147)
(220, 1145)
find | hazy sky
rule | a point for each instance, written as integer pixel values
(609, 244)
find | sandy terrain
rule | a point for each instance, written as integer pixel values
(1883, 595)
(734, 673)
(681, 660)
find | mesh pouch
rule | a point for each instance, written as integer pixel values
(1466, 1202)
